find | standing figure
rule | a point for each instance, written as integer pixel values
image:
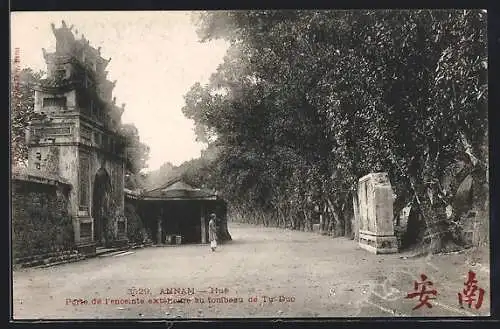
(212, 232)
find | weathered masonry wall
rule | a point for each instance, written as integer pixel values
(81, 143)
(40, 219)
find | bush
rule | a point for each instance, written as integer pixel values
(135, 227)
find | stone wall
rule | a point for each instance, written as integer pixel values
(49, 102)
(40, 219)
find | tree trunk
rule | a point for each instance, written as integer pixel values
(341, 220)
(321, 223)
(331, 224)
(307, 221)
(414, 228)
(427, 197)
(480, 189)
(355, 206)
(400, 202)
(288, 217)
(347, 226)
(223, 231)
(339, 225)
(348, 215)
(436, 232)
(279, 215)
(350, 232)
(283, 215)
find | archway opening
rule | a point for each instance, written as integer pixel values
(101, 205)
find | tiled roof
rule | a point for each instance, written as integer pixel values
(168, 183)
(180, 194)
(177, 189)
(38, 176)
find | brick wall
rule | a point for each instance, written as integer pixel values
(40, 219)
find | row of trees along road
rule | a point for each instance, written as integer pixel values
(307, 102)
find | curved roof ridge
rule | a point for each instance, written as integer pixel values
(167, 183)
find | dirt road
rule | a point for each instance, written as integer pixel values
(316, 276)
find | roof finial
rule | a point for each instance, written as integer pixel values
(64, 24)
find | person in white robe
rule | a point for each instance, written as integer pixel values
(212, 232)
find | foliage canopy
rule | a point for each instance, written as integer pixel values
(306, 102)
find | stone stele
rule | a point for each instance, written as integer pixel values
(376, 226)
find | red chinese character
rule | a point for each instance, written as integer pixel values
(423, 293)
(469, 293)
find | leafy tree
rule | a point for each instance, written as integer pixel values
(197, 172)
(22, 111)
(306, 102)
(137, 154)
(156, 178)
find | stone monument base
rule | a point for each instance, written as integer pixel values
(378, 244)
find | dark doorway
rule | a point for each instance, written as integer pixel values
(183, 218)
(100, 205)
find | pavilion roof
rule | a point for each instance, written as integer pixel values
(177, 189)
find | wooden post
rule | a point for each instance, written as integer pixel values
(159, 236)
(203, 225)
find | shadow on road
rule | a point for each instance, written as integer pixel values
(238, 241)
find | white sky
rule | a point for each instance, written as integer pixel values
(156, 57)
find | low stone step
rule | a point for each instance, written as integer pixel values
(32, 263)
(67, 256)
(140, 245)
(28, 259)
(33, 260)
(105, 251)
(54, 259)
(70, 260)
